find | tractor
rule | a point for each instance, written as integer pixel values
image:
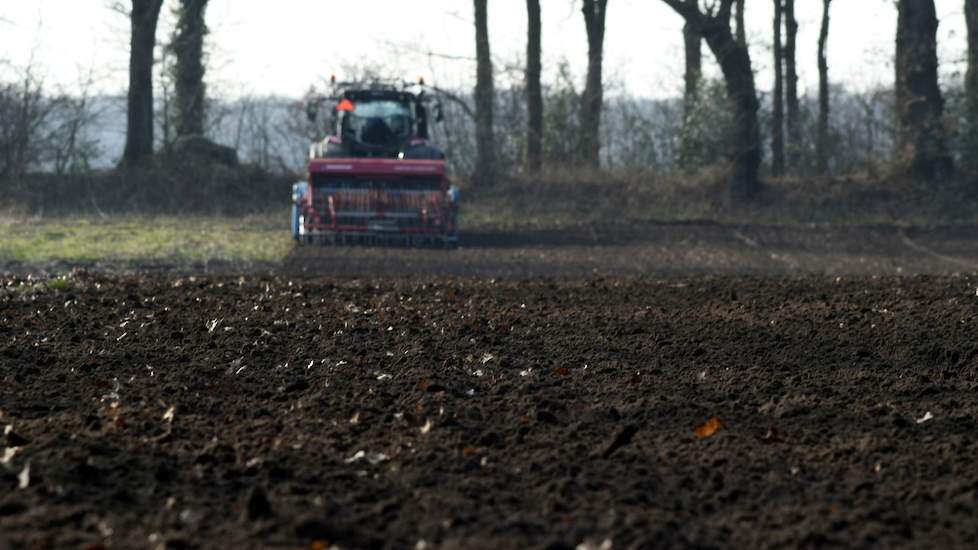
(376, 178)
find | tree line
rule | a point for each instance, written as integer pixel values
(730, 117)
(922, 136)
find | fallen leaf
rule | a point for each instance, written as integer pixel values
(8, 454)
(606, 544)
(359, 455)
(423, 384)
(773, 436)
(927, 416)
(372, 458)
(24, 477)
(562, 371)
(708, 428)
(427, 427)
(469, 451)
(212, 325)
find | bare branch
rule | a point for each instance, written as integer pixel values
(401, 47)
(454, 99)
(119, 7)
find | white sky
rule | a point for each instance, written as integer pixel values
(281, 47)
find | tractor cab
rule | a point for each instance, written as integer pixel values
(382, 124)
(376, 122)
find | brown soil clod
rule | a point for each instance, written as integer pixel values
(13, 439)
(623, 436)
(257, 505)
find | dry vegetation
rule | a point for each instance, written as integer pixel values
(170, 188)
(579, 197)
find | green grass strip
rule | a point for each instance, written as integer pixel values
(144, 238)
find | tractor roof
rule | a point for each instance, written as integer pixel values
(366, 94)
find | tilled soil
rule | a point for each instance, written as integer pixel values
(451, 413)
(607, 249)
(664, 249)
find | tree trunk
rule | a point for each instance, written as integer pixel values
(139, 118)
(188, 71)
(971, 83)
(822, 142)
(694, 63)
(485, 163)
(920, 106)
(738, 75)
(777, 117)
(591, 100)
(534, 92)
(741, 26)
(690, 152)
(791, 85)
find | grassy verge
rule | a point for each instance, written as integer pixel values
(180, 240)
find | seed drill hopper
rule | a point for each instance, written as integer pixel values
(376, 178)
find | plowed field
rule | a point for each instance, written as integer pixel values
(747, 412)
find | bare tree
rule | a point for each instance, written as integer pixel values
(139, 122)
(45, 129)
(791, 84)
(741, 26)
(75, 149)
(534, 91)
(484, 96)
(591, 100)
(691, 144)
(24, 112)
(187, 44)
(777, 117)
(822, 141)
(694, 63)
(971, 82)
(920, 106)
(738, 75)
